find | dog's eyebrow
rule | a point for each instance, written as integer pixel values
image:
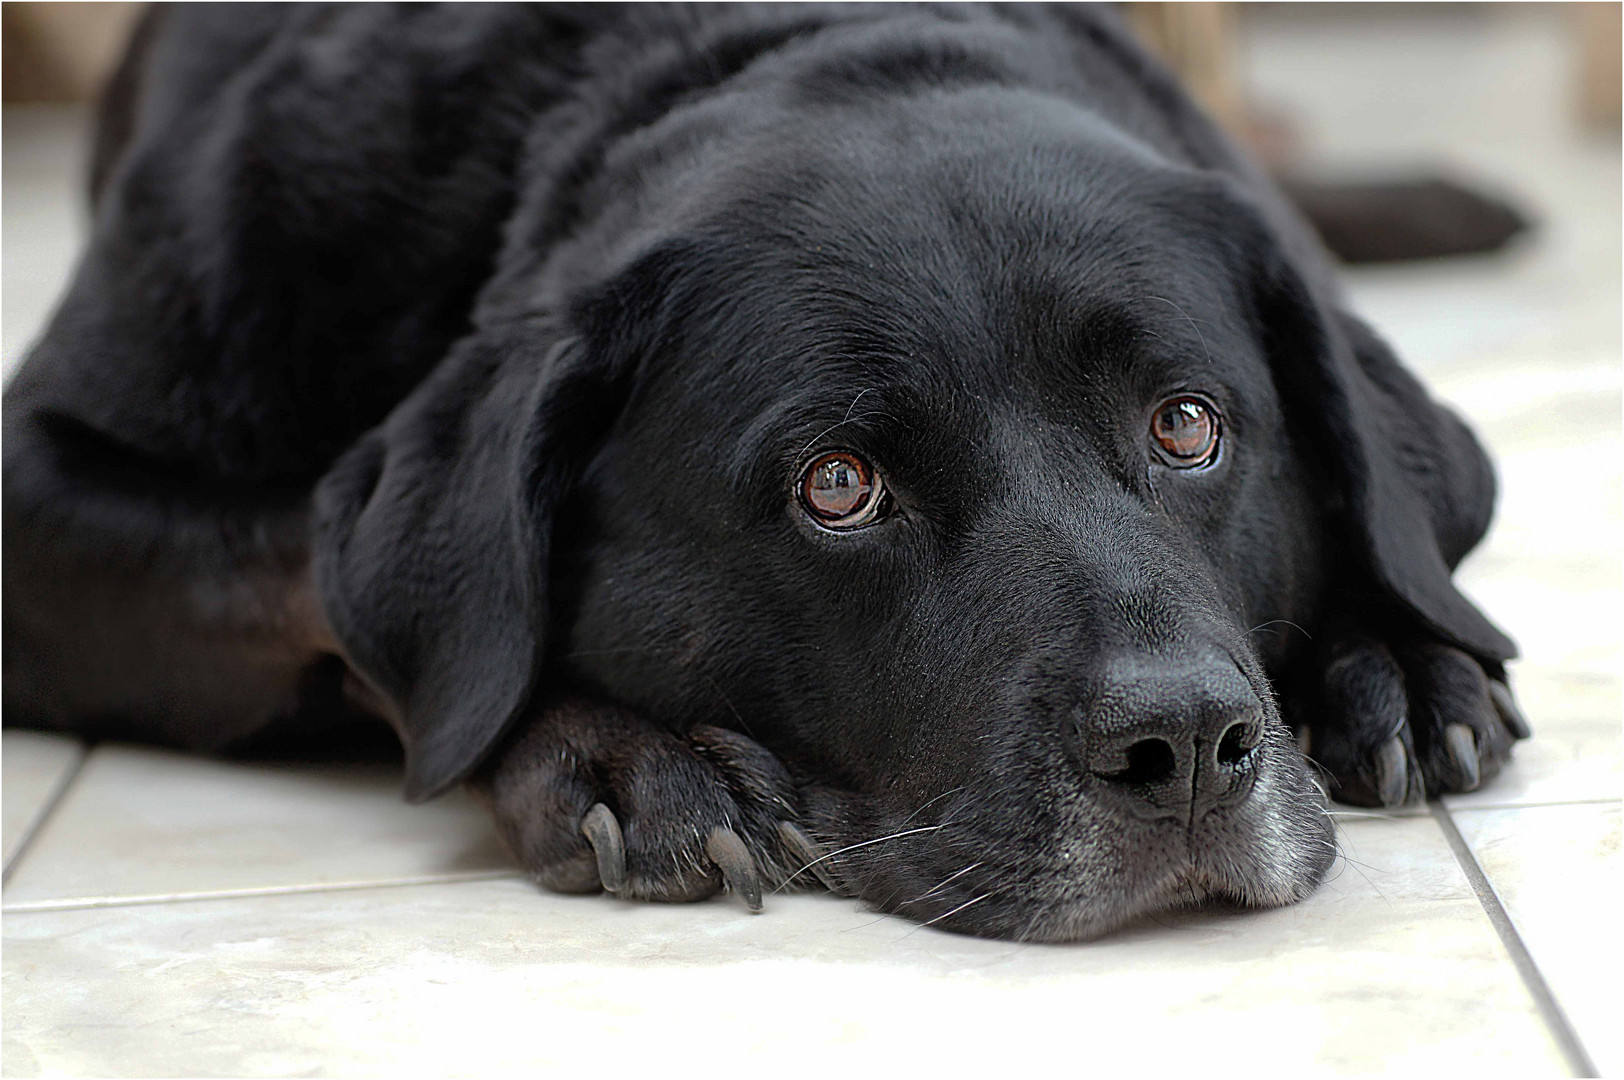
(792, 427)
(1194, 325)
(844, 420)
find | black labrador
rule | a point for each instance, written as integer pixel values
(902, 447)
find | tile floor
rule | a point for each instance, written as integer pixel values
(165, 915)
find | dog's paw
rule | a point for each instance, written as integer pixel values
(1392, 724)
(588, 796)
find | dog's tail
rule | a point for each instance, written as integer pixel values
(1422, 217)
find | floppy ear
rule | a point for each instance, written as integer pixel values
(432, 539)
(1417, 490)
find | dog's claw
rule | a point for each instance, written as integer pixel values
(602, 831)
(1463, 751)
(1392, 772)
(1506, 706)
(808, 852)
(732, 858)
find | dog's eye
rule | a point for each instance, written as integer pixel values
(1185, 430)
(841, 491)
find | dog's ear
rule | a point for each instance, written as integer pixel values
(432, 536)
(1416, 490)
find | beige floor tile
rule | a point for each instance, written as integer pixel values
(149, 823)
(1556, 869)
(1392, 965)
(35, 765)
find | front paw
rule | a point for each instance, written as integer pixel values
(1390, 724)
(590, 796)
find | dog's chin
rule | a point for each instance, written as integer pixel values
(1078, 871)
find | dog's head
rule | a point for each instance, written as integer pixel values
(959, 453)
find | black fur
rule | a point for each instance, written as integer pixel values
(482, 348)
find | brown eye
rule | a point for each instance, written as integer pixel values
(1186, 431)
(841, 491)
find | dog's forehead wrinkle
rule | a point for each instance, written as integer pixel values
(847, 193)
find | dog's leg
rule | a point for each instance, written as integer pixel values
(1392, 721)
(140, 604)
(589, 796)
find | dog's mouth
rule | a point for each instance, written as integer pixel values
(1023, 859)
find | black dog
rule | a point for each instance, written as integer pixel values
(903, 440)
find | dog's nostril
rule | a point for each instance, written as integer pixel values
(1236, 744)
(1149, 761)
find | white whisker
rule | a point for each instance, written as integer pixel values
(865, 843)
(942, 884)
(938, 798)
(955, 911)
(845, 420)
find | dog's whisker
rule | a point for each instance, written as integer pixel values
(1358, 869)
(843, 421)
(936, 799)
(940, 885)
(850, 408)
(1280, 622)
(1340, 851)
(955, 911)
(1199, 336)
(862, 844)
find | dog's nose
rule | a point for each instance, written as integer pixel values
(1173, 739)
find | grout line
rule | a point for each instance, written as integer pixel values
(53, 798)
(1561, 1029)
(1529, 805)
(1404, 813)
(87, 903)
